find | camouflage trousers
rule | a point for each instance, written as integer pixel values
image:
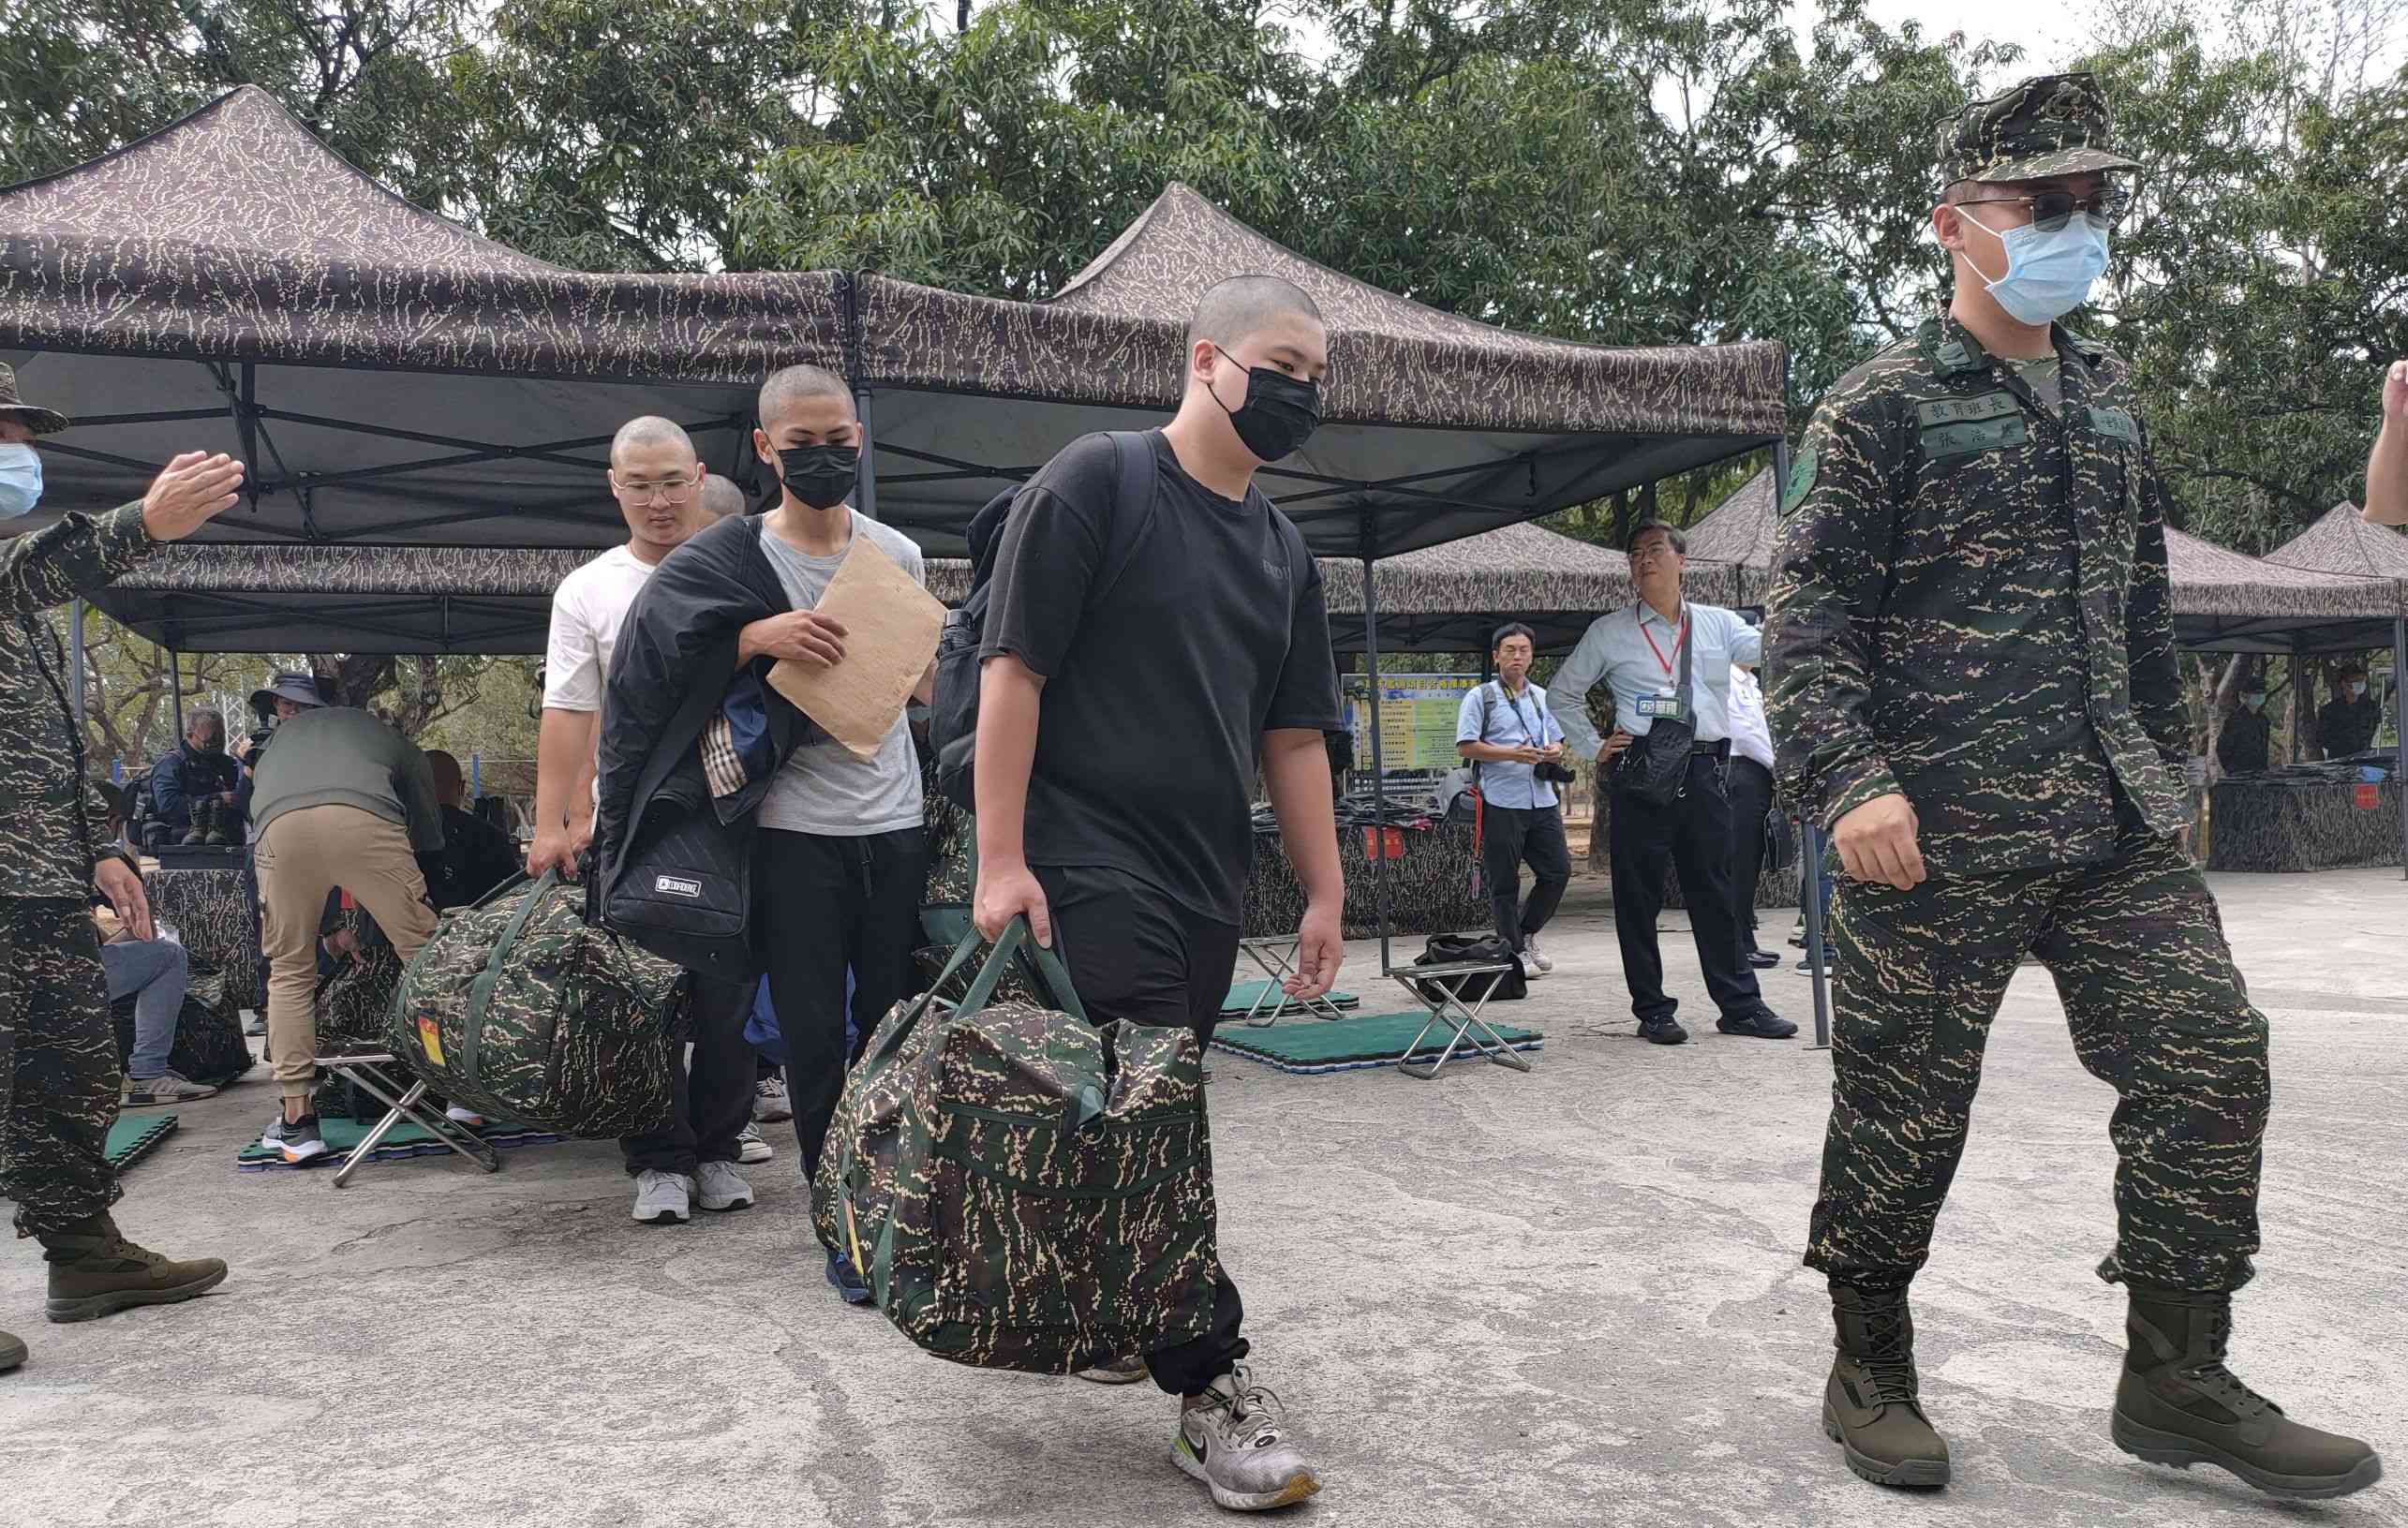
(58, 1064)
(2157, 1012)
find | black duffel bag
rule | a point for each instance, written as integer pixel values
(1448, 949)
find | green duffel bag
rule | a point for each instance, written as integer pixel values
(523, 1011)
(1020, 1188)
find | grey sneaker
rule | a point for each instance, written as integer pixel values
(1119, 1371)
(664, 1198)
(167, 1088)
(769, 1104)
(720, 1186)
(1230, 1439)
(751, 1148)
(1533, 959)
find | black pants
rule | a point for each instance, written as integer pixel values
(1751, 798)
(1511, 836)
(1139, 955)
(710, 1098)
(1693, 835)
(821, 904)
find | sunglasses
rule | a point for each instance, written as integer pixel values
(2052, 209)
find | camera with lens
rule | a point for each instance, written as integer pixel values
(1554, 773)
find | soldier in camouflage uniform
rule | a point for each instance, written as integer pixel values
(1973, 674)
(58, 1046)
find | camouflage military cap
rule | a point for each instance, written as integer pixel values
(2051, 125)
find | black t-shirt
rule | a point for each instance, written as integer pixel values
(1157, 695)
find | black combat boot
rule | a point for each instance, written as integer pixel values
(93, 1270)
(2178, 1404)
(1871, 1406)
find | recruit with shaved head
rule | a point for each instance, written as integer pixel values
(1155, 628)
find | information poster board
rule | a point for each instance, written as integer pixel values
(1416, 719)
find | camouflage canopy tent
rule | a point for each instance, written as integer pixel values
(212, 598)
(389, 378)
(393, 379)
(1436, 426)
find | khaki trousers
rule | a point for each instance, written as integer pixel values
(303, 856)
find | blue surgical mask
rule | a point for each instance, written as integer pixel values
(2048, 274)
(2252, 702)
(21, 479)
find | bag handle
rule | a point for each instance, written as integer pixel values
(480, 989)
(991, 975)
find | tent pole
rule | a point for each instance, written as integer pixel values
(2400, 714)
(75, 657)
(175, 690)
(864, 490)
(1378, 760)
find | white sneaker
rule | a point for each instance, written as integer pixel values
(720, 1186)
(751, 1148)
(460, 1114)
(664, 1198)
(771, 1105)
(1231, 1440)
(1533, 959)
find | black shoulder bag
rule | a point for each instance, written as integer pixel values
(1655, 769)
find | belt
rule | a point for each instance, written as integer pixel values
(1719, 748)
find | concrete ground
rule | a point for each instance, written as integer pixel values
(1567, 1298)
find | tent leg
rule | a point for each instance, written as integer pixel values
(865, 488)
(175, 690)
(1378, 766)
(1810, 899)
(2400, 713)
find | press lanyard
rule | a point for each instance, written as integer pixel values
(1680, 638)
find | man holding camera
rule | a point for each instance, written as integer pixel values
(1507, 736)
(1665, 664)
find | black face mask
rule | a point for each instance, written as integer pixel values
(820, 476)
(213, 745)
(1280, 413)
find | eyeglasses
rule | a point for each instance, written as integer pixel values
(672, 489)
(2053, 210)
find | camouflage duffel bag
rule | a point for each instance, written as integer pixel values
(208, 1046)
(523, 1011)
(1020, 1188)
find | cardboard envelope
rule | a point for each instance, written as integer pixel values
(891, 626)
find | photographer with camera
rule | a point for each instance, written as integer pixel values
(1507, 736)
(1658, 673)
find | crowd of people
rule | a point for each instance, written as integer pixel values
(1969, 680)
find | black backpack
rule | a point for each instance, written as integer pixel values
(953, 711)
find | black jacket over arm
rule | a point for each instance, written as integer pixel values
(679, 639)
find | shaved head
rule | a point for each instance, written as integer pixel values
(650, 430)
(450, 785)
(800, 385)
(721, 496)
(1245, 305)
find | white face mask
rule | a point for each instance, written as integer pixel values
(2357, 690)
(21, 479)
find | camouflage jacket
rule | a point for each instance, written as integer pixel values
(1969, 604)
(52, 819)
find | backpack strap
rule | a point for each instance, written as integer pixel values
(1133, 502)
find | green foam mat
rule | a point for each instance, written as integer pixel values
(132, 1137)
(1243, 994)
(403, 1140)
(1353, 1045)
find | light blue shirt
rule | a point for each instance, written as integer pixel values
(1513, 721)
(1615, 649)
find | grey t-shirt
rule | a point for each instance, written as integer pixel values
(825, 788)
